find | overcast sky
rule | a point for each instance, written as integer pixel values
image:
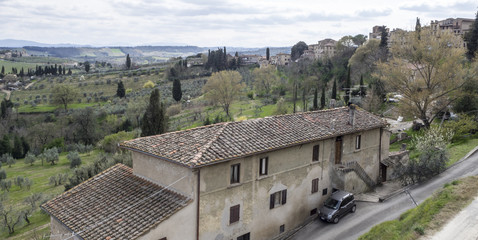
(206, 23)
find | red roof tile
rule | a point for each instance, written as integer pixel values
(115, 204)
(224, 141)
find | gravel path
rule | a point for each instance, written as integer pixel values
(463, 226)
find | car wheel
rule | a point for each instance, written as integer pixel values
(353, 209)
(336, 219)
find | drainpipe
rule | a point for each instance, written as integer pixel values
(197, 204)
(380, 155)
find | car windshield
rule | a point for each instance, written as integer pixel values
(332, 203)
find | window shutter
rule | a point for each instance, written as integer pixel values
(284, 196)
(271, 205)
(234, 214)
(315, 153)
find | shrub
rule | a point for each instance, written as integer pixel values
(148, 84)
(30, 158)
(27, 183)
(5, 185)
(19, 181)
(51, 155)
(74, 159)
(110, 143)
(58, 143)
(432, 159)
(3, 174)
(173, 109)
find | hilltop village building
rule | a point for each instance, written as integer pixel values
(253, 179)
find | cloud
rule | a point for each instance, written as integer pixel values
(427, 8)
(371, 13)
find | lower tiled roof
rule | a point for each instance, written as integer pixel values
(115, 204)
(223, 141)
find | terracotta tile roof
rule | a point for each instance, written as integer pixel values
(115, 204)
(223, 141)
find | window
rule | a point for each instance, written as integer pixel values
(246, 236)
(282, 228)
(278, 198)
(315, 185)
(315, 153)
(324, 191)
(234, 214)
(313, 211)
(263, 165)
(357, 141)
(235, 172)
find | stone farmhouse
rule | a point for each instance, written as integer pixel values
(324, 48)
(253, 179)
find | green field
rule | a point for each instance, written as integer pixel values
(9, 64)
(40, 176)
(91, 89)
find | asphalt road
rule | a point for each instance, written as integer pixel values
(370, 214)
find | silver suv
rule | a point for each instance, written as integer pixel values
(337, 205)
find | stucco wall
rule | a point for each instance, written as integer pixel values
(368, 154)
(179, 226)
(59, 231)
(354, 184)
(290, 169)
(165, 173)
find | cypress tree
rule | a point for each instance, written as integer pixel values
(128, 61)
(177, 92)
(363, 89)
(120, 91)
(334, 91)
(154, 119)
(347, 87)
(5, 146)
(17, 151)
(418, 28)
(268, 54)
(3, 70)
(384, 38)
(315, 105)
(322, 99)
(472, 40)
(25, 145)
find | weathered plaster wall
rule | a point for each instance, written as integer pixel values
(290, 169)
(165, 173)
(354, 184)
(59, 231)
(179, 226)
(368, 154)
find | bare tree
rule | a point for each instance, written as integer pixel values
(426, 71)
(223, 88)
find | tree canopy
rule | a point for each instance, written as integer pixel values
(297, 50)
(223, 88)
(64, 95)
(154, 120)
(427, 72)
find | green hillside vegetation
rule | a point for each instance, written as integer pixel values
(430, 215)
(40, 176)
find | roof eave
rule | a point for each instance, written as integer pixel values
(63, 224)
(156, 156)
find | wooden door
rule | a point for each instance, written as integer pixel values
(383, 172)
(338, 150)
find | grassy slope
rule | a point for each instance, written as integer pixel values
(9, 64)
(40, 176)
(429, 216)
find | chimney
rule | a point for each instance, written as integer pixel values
(352, 114)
